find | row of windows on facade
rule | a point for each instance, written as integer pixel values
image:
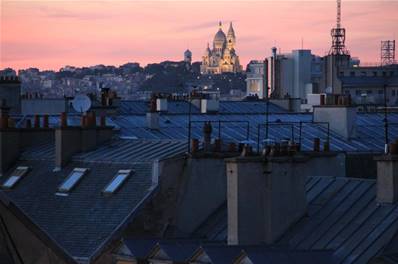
(370, 92)
(374, 74)
(71, 181)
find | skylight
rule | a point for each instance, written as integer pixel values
(117, 181)
(72, 179)
(18, 173)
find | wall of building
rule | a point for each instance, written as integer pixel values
(293, 73)
(158, 215)
(10, 91)
(202, 192)
(43, 106)
(361, 165)
(370, 71)
(264, 198)
(30, 248)
(302, 72)
(255, 79)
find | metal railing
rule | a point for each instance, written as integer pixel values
(293, 125)
(219, 126)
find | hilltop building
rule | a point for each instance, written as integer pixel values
(222, 57)
(188, 56)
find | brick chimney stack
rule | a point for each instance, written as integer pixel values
(387, 175)
(264, 197)
(70, 140)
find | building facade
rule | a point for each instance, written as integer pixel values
(222, 57)
(293, 74)
(255, 79)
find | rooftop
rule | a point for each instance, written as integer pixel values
(81, 221)
(343, 216)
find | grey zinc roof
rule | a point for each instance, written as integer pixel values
(282, 256)
(137, 107)
(178, 251)
(117, 150)
(235, 115)
(343, 216)
(370, 131)
(85, 220)
(134, 150)
(223, 254)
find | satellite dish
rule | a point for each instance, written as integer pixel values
(81, 103)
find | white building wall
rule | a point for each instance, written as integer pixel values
(302, 72)
(255, 79)
(287, 76)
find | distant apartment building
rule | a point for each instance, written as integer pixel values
(255, 79)
(291, 75)
(367, 84)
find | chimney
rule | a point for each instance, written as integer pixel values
(152, 117)
(71, 140)
(89, 133)
(10, 90)
(387, 176)
(161, 104)
(67, 142)
(294, 105)
(9, 140)
(209, 105)
(338, 112)
(264, 198)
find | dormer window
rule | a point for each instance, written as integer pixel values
(117, 181)
(15, 177)
(73, 178)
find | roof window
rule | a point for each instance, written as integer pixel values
(17, 175)
(117, 181)
(73, 178)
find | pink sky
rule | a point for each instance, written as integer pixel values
(51, 34)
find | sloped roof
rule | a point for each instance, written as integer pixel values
(117, 150)
(234, 127)
(236, 118)
(139, 107)
(82, 222)
(222, 254)
(343, 216)
(178, 251)
(181, 251)
(283, 256)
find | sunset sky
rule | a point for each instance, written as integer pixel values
(51, 34)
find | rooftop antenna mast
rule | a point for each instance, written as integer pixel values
(387, 52)
(338, 35)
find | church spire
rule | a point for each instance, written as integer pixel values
(231, 31)
(231, 39)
